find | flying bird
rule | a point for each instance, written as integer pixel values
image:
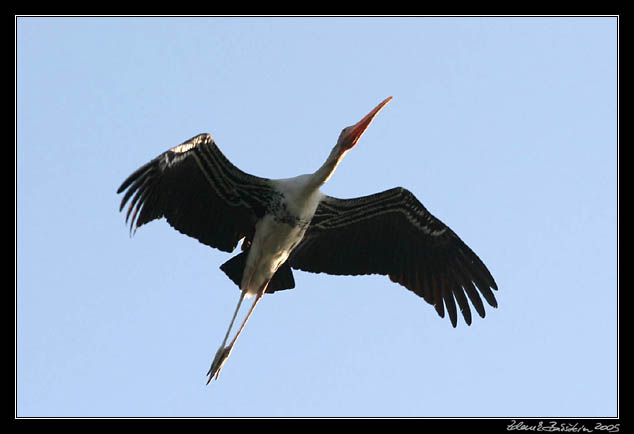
(287, 224)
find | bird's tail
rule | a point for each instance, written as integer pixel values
(234, 269)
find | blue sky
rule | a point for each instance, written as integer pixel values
(504, 128)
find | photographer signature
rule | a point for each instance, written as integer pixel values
(554, 426)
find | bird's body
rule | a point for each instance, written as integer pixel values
(278, 232)
(272, 244)
(289, 223)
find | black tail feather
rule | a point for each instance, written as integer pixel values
(234, 268)
(283, 279)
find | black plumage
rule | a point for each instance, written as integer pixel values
(392, 233)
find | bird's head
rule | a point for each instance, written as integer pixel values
(350, 135)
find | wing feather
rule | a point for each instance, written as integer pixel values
(391, 233)
(199, 192)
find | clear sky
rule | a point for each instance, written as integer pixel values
(504, 128)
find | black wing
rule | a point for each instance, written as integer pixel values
(199, 192)
(391, 233)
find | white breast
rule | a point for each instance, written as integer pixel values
(274, 240)
(301, 197)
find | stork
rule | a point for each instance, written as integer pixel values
(287, 224)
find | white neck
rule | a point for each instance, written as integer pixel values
(323, 174)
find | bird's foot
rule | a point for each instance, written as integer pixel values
(219, 361)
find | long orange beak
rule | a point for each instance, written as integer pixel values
(354, 132)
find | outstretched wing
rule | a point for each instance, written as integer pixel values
(391, 233)
(200, 193)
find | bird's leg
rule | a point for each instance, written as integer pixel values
(233, 318)
(219, 354)
(257, 299)
(223, 352)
